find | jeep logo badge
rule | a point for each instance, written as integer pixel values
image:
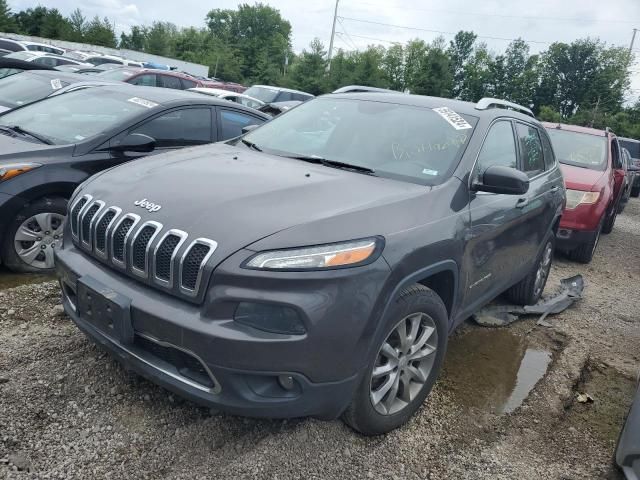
(144, 203)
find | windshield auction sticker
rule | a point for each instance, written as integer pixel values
(143, 102)
(453, 118)
(56, 84)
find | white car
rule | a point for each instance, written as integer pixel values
(48, 59)
(42, 47)
(102, 59)
(240, 98)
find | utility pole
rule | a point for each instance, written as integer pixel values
(633, 40)
(333, 34)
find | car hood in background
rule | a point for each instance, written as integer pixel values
(577, 178)
(21, 148)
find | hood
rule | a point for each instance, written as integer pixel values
(576, 178)
(236, 196)
(17, 148)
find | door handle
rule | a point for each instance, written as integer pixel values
(555, 189)
(522, 202)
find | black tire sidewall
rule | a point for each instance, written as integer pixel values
(365, 418)
(10, 257)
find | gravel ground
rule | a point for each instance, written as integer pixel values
(68, 411)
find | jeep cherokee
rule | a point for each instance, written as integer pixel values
(316, 265)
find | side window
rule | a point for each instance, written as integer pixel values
(146, 80)
(167, 81)
(188, 83)
(549, 156)
(284, 97)
(615, 152)
(499, 148)
(530, 149)
(233, 121)
(178, 128)
(51, 62)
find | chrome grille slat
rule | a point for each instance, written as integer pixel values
(144, 250)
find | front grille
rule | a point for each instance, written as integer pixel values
(101, 230)
(86, 223)
(75, 213)
(192, 263)
(118, 238)
(139, 255)
(187, 365)
(164, 256)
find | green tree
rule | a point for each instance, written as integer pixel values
(100, 32)
(135, 40)
(308, 73)
(460, 51)
(393, 67)
(414, 63)
(478, 75)
(78, 25)
(435, 76)
(7, 21)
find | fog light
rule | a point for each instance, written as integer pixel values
(286, 382)
(269, 318)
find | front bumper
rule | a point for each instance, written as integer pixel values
(567, 239)
(245, 365)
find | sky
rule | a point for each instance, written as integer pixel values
(539, 22)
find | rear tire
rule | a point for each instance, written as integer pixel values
(607, 227)
(27, 246)
(529, 290)
(584, 253)
(635, 191)
(401, 374)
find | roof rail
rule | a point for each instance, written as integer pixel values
(487, 103)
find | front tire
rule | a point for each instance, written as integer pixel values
(529, 290)
(407, 362)
(635, 191)
(33, 235)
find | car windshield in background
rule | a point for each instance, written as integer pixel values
(266, 95)
(404, 142)
(24, 55)
(579, 149)
(632, 145)
(76, 116)
(23, 88)
(120, 74)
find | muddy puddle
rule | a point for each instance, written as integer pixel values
(9, 279)
(494, 370)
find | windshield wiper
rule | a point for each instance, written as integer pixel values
(332, 163)
(251, 145)
(18, 129)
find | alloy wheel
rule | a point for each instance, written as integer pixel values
(403, 364)
(543, 270)
(37, 238)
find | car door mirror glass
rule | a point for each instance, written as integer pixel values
(135, 142)
(500, 179)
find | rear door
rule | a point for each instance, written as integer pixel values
(538, 210)
(498, 243)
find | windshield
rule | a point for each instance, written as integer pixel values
(21, 55)
(16, 90)
(266, 95)
(414, 144)
(120, 74)
(579, 149)
(78, 115)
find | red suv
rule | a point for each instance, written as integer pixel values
(156, 78)
(591, 163)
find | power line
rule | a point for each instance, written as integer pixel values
(343, 38)
(478, 14)
(376, 39)
(344, 29)
(440, 32)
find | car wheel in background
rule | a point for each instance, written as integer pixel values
(584, 253)
(406, 364)
(529, 290)
(635, 191)
(607, 227)
(33, 235)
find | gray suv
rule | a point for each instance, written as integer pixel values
(316, 265)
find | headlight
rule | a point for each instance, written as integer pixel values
(335, 255)
(578, 197)
(11, 170)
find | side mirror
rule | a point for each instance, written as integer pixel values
(505, 180)
(135, 142)
(248, 128)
